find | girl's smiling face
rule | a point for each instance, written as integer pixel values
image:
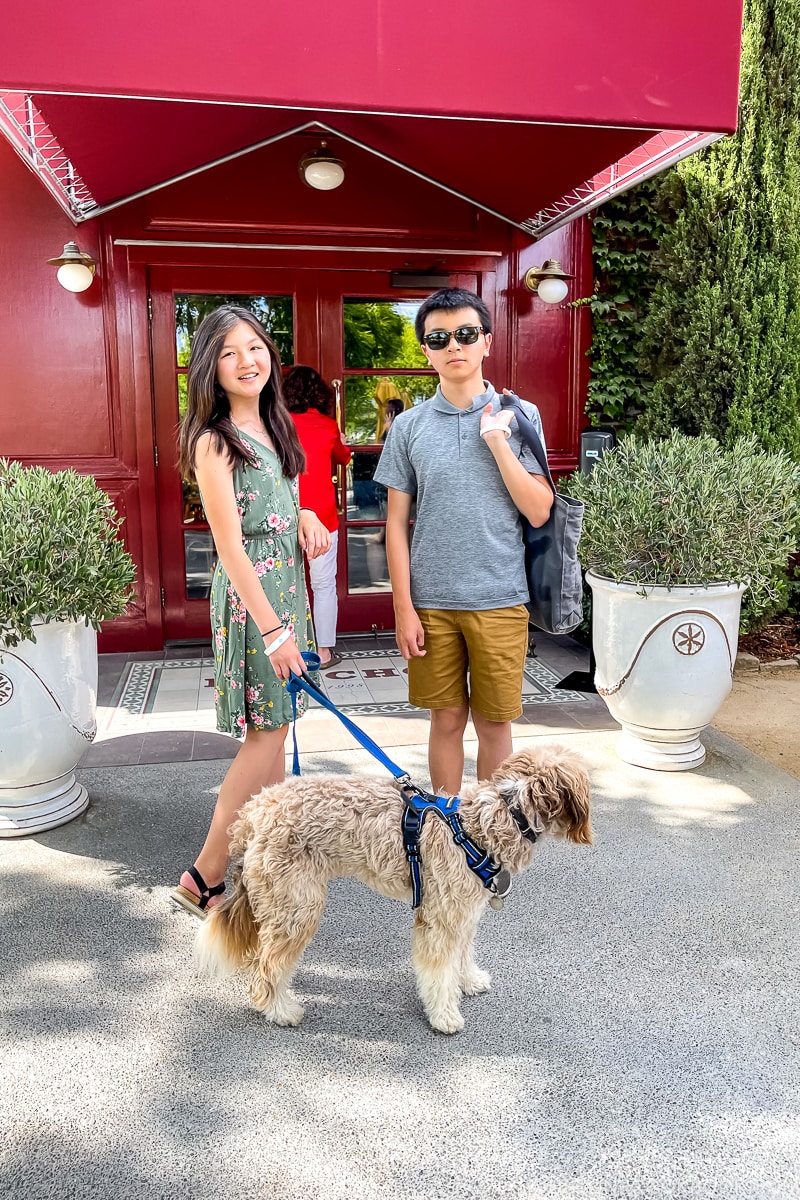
(244, 363)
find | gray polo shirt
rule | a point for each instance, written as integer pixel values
(466, 549)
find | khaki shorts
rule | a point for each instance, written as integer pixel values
(471, 658)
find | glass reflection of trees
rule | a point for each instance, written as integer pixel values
(275, 313)
(380, 334)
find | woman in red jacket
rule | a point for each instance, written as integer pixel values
(312, 406)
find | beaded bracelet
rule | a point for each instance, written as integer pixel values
(267, 632)
(279, 640)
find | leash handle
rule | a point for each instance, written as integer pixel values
(313, 662)
(298, 683)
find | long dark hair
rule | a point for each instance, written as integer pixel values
(304, 388)
(208, 408)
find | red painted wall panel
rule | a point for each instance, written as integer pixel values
(550, 341)
(263, 191)
(53, 387)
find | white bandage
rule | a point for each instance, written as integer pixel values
(279, 640)
(495, 423)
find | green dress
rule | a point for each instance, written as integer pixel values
(246, 689)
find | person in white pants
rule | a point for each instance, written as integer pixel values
(322, 571)
(312, 406)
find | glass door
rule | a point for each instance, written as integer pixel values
(384, 372)
(179, 303)
(358, 331)
(372, 355)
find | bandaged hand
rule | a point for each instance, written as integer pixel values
(495, 422)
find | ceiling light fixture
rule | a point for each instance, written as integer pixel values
(321, 170)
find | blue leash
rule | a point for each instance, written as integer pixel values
(418, 802)
(302, 683)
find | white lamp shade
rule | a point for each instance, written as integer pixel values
(552, 291)
(323, 175)
(75, 277)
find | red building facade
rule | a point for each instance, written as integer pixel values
(177, 191)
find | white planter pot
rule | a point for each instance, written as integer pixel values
(664, 665)
(48, 705)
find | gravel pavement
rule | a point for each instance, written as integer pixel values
(639, 1043)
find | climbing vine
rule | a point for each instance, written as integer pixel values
(626, 233)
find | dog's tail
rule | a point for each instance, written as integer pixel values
(227, 939)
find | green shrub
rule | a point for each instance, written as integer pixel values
(60, 556)
(685, 511)
(721, 339)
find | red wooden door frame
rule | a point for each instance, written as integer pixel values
(318, 342)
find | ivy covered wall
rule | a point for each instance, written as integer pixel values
(696, 310)
(626, 234)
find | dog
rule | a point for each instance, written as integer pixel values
(293, 837)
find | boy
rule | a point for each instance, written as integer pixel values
(460, 587)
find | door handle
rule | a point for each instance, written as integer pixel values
(341, 472)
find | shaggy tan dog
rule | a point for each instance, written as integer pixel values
(292, 838)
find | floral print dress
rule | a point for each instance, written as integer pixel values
(246, 689)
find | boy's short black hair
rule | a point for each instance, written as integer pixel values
(448, 300)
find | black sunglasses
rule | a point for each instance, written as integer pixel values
(465, 335)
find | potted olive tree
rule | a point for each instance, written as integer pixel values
(674, 532)
(63, 570)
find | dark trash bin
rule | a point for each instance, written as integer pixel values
(594, 443)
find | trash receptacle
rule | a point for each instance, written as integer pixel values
(594, 443)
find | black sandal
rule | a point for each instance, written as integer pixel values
(197, 905)
(333, 661)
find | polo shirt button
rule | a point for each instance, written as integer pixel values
(464, 437)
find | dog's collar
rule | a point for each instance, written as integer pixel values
(531, 832)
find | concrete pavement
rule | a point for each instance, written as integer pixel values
(639, 1043)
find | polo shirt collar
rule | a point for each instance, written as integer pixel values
(440, 404)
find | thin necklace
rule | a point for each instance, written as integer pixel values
(260, 431)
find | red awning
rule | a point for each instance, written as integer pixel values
(531, 112)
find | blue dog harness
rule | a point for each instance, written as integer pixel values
(418, 803)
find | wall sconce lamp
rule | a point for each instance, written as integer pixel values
(75, 268)
(320, 169)
(548, 281)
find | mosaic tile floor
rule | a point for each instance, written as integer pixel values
(161, 709)
(155, 694)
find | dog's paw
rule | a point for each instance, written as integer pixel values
(288, 1013)
(448, 1021)
(476, 982)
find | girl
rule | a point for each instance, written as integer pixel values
(238, 442)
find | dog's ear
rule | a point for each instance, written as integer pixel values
(572, 785)
(554, 787)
